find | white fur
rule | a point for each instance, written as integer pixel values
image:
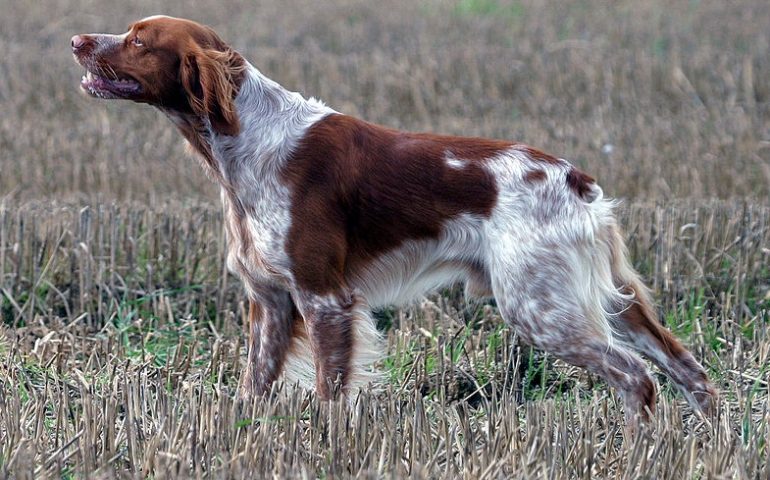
(272, 121)
(543, 229)
(454, 162)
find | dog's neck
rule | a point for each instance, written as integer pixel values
(272, 122)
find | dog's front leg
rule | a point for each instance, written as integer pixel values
(271, 317)
(329, 320)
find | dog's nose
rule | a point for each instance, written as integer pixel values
(77, 42)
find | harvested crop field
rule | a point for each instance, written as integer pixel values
(122, 334)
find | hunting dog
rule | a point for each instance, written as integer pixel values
(328, 216)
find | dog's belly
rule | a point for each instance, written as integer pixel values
(420, 266)
(394, 280)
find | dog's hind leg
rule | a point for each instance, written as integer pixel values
(555, 300)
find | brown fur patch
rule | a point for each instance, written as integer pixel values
(361, 190)
(580, 182)
(211, 79)
(534, 176)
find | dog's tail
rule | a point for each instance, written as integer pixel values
(639, 326)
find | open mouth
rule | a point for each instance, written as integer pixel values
(104, 87)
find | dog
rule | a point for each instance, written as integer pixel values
(328, 216)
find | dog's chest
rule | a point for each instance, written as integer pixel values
(256, 230)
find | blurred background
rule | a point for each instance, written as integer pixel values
(656, 99)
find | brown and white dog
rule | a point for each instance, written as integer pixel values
(328, 216)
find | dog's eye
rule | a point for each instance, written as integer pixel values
(137, 42)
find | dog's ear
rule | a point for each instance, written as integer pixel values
(208, 76)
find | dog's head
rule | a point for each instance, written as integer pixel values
(175, 64)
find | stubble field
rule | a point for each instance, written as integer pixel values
(121, 332)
